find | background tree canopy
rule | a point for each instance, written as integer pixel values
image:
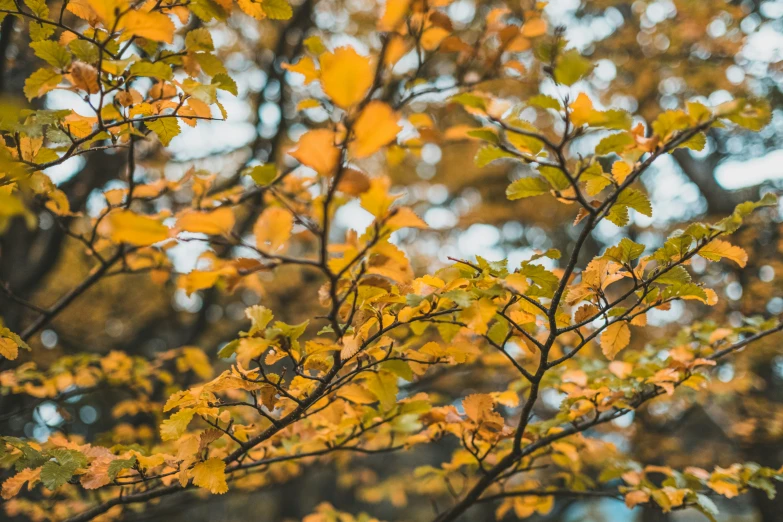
(399, 260)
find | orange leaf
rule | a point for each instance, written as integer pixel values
(273, 229)
(152, 26)
(346, 76)
(217, 222)
(376, 126)
(316, 149)
(616, 337)
(305, 67)
(124, 226)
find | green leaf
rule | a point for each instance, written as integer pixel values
(752, 114)
(228, 349)
(199, 40)
(470, 100)
(625, 252)
(157, 70)
(85, 51)
(120, 464)
(614, 143)
(314, 45)
(52, 53)
(544, 101)
(277, 9)
(498, 331)
(210, 64)
(691, 290)
(200, 91)
(541, 277)
(676, 275)
(165, 128)
(226, 83)
(595, 179)
(526, 187)
(399, 368)
(571, 67)
(54, 475)
(41, 82)
(489, 153)
(262, 174)
(207, 10)
(697, 142)
(707, 507)
(669, 122)
(698, 111)
(484, 135)
(39, 32)
(68, 457)
(628, 198)
(556, 178)
(291, 331)
(732, 223)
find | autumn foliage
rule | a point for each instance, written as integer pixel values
(512, 374)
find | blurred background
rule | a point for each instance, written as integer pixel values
(650, 56)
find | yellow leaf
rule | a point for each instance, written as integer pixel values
(676, 496)
(152, 26)
(273, 229)
(211, 475)
(198, 280)
(616, 337)
(346, 76)
(377, 200)
(517, 282)
(305, 67)
(317, 150)
(124, 226)
(357, 394)
(149, 462)
(478, 315)
(724, 487)
(217, 222)
(717, 249)
(376, 126)
(173, 427)
(620, 171)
